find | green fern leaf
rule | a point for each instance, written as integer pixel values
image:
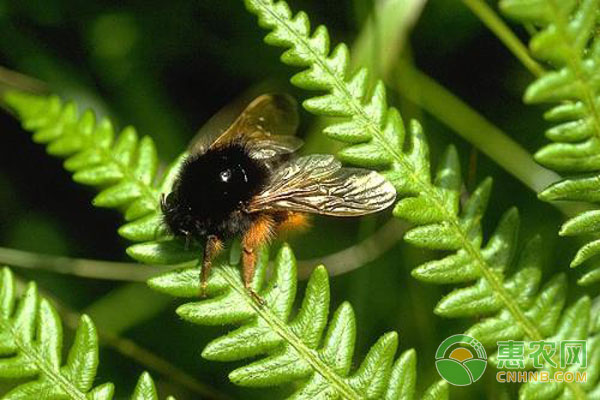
(437, 391)
(567, 40)
(403, 381)
(300, 348)
(31, 341)
(124, 167)
(145, 389)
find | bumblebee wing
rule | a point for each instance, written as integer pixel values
(266, 148)
(318, 184)
(265, 126)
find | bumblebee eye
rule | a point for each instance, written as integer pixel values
(225, 175)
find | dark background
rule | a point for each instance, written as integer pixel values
(165, 68)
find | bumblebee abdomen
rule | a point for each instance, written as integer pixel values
(211, 190)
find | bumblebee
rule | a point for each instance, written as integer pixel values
(247, 181)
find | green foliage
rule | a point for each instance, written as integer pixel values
(567, 41)
(301, 346)
(297, 348)
(514, 306)
(145, 389)
(124, 167)
(125, 171)
(575, 324)
(31, 343)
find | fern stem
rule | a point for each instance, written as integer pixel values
(338, 263)
(487, 15)
(475, 128)
(447, 107)
(357, 256)
(153, 361)
(390, 23)
(280, 327)
(12, 80)
(82, 267)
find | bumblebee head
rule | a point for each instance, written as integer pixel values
(178, 218)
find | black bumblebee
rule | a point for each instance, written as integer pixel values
(246, 182)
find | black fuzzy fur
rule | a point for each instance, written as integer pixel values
(202, 204)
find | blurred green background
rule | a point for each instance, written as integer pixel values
(165, 68)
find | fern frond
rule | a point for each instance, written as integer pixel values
(31, 342)
(567, 39)
(504, 289)
(376, 134)
(301, 348)
(120, 169)
(124, 167)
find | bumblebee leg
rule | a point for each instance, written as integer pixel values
(213, 246)
(260, 232)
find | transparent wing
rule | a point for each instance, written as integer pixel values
(265, 126)
(318, 184)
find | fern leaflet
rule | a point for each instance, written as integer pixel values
(567, 39)
(31, 343)
(297, 348)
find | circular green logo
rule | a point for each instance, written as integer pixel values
(461, 360)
